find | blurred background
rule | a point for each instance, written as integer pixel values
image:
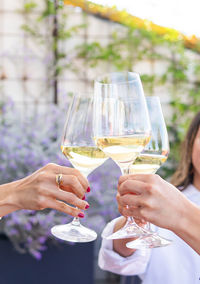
(50, 49)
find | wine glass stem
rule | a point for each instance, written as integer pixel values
(148, 228)
(76, 221)
(125, 171)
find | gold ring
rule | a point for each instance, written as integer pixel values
(59, 179)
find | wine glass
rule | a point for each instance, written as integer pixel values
(121, 126)
(149, 161)
(79, 148)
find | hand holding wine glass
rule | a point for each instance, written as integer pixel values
(79, 148)
(149, 161)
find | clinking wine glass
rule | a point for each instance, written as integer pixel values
(79, 148)
(121, 126)
(148, 162)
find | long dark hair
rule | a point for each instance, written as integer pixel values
(184, 173)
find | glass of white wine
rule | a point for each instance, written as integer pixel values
(121, 126)
(79, 148)
(149, 161)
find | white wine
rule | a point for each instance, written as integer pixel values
(122, 149)
(84, 158)
(147, 164)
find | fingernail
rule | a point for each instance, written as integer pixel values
(83, 197)
(88, 189)
(81, 215)
(87, 206)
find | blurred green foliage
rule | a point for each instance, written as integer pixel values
(180, 77)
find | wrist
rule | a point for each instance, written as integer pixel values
(189, 222)
(8, 198)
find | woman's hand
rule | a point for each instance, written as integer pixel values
(39, 191)
(152, 199)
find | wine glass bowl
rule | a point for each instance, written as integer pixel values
(156, 151)
(121, 122)
(84, 158)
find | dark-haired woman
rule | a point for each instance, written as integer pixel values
(162, 204)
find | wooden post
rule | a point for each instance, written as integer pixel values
(55, 52)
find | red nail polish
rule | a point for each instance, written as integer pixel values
(88, 189)
(81, 215)
(87, 206)
(83, 197)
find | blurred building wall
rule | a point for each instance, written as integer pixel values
(24, 62)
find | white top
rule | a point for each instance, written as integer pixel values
(177, 263)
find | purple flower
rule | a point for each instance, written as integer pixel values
(42, 240)
(29, 240)
(13, 232)
(28, 226)
(36, 254)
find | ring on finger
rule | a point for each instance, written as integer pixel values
(59, 179)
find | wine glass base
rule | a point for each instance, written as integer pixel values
(128, 231)
(74, 233)
(149, 241)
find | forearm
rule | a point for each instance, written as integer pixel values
(111, 260)
(189, 226)
(119, 246)
(7, 200)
